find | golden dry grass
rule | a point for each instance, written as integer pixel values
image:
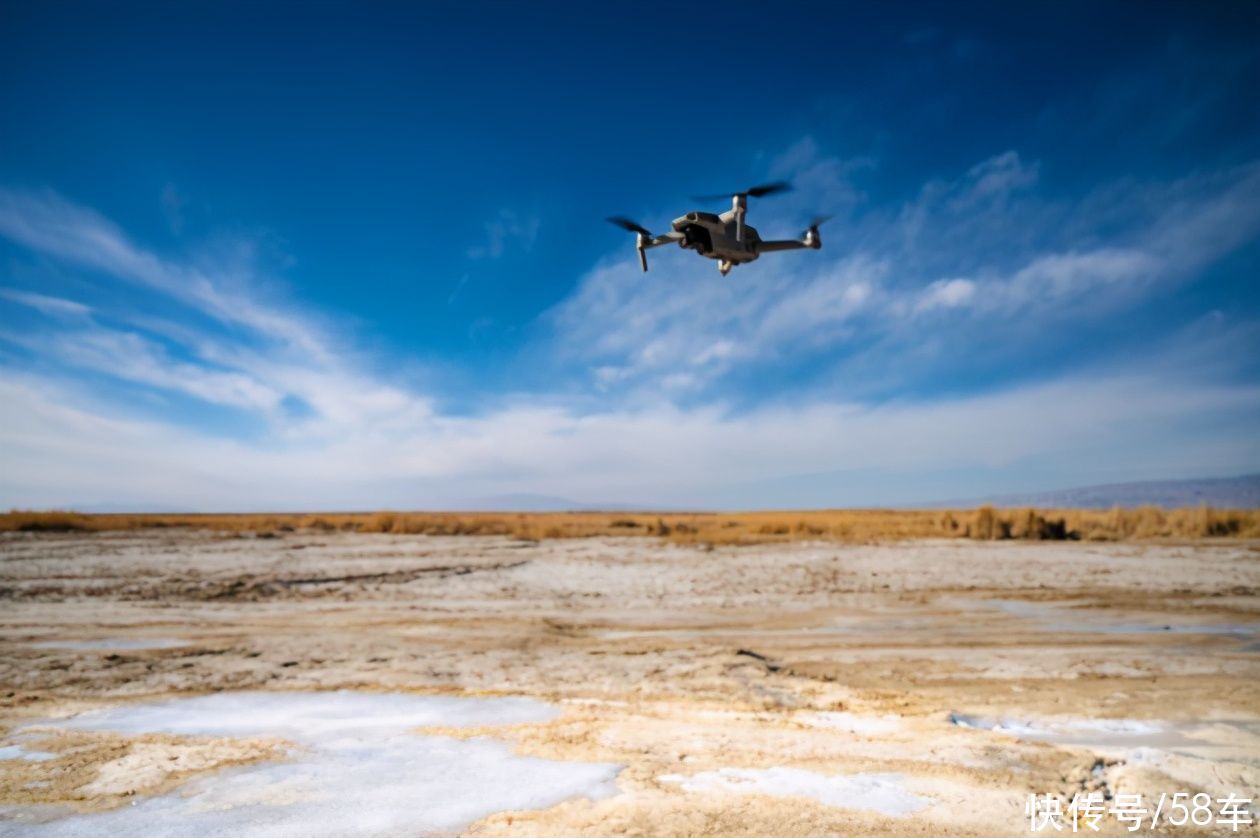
(845, 525)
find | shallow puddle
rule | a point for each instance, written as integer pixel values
(357, 767)
(1062, 617)
(18, 752)
(1237, 739)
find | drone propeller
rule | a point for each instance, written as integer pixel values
(642, 236)
(752, 192)
(769, 188)
(812, 238)
(627, 224)
(740, 202)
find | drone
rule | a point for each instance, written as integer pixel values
(726, 237)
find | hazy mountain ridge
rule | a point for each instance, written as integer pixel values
(1242, 492)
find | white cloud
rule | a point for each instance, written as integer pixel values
(1066, 276)
(60, 450)
(946, 293)
(132, 357)
(999, 176)
(263, 355)
(46, 223)
(680, 315)
(52, 306)
(716, 351)
(506, 228)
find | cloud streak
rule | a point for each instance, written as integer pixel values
(52, 443)
(507, 228)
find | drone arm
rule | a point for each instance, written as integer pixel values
(784, 244)
(646, 240)
(810, 239)
(664, 238)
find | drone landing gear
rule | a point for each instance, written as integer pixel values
(724, 267)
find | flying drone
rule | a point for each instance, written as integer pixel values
(725, 237)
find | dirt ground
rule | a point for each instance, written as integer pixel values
(976, 672)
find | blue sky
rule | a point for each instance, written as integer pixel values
(279, 256)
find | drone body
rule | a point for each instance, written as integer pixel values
(723, 237)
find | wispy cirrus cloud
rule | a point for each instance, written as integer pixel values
(48, 224)
(52, 306)
(135, 358)
(506, 228)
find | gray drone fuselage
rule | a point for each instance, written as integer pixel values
(720, 237)
(727, 237)
(714, 236)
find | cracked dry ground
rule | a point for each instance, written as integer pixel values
(668, 660)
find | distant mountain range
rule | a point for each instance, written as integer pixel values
(524, 502)
(1227, 492)
(111, 508)
(520, 502)
(1232, 492)
(1236, 492)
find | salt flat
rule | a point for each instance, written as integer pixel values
(773, 689)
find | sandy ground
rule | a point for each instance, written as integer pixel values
(679, 664)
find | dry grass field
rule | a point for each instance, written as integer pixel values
(845, 525)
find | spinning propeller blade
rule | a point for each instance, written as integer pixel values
(812, 238)
(627, 224)
(641, 238)
(753, 192)
(769, 188)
